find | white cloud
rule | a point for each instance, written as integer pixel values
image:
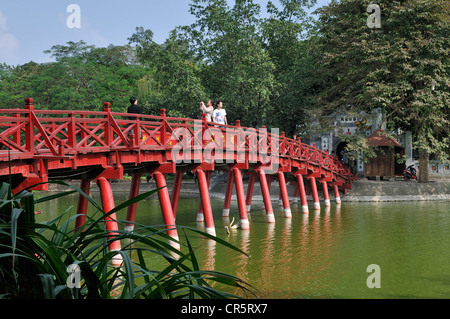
(9, 44)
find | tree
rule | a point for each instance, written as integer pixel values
(401, 68)
(284, 35)
(173, 81)
(82, 78)
(17, 83)
(92, 76)
(235, 67)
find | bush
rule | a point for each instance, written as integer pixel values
(34, 257)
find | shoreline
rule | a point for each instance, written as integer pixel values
(398, 191)
(362, 190)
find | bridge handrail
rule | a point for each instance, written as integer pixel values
(28, 132)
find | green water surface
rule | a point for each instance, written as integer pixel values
(323, 254)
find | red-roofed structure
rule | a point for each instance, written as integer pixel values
(380, 138)
(384, 164)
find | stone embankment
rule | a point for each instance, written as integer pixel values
(362, 190)
(368, 191)
(387, 191)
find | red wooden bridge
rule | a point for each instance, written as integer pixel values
(40, 145)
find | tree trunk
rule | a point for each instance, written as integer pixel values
(424, 163)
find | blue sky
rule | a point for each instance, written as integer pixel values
(28, 27)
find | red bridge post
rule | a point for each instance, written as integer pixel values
(200, 215)
(108, 127)
(326, 194)
(176, 192)
(200, 212)
(29, 128)
(266, 196)
(250, 188)
(315, 193)
(228, 194)
(244, 223)
(206, 203)
(336, 194)
(344, 189)
(296, 193)
(131, 210)
(85, 185)
(284, 195)
(111, 221)
(166, 207)
(280, 197)
(302, 191)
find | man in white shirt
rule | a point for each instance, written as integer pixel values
(219, 114)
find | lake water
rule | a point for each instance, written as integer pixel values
(323, 254)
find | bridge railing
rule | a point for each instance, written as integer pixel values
(27, 133)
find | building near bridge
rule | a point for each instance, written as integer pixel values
(328, 134)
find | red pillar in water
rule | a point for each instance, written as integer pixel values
(250, 188)
(131, 210)
(336, 194)
(111, 223)
(200, 216)
(315, 193)
(206, 203)
(82, 204)
(266, 196)
(344, 189)
(228, 194)
(200, 213)
(284, 195)
(296, 193)
(302, 191)
(241, 199)
(176, 192)
(325, 194)
(166, 207)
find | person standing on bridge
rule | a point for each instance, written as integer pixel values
(219, 114)
(208, 110)
(134, 108)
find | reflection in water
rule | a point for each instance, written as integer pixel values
(210, 260)
(323, 254)
(242, 260)
(288, 255)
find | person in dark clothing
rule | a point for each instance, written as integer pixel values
(135, 109)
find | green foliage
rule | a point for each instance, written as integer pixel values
(236, 68)
(401, 68)
(82, 78)
(282, 34)
(34, 257)
(174, 83)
